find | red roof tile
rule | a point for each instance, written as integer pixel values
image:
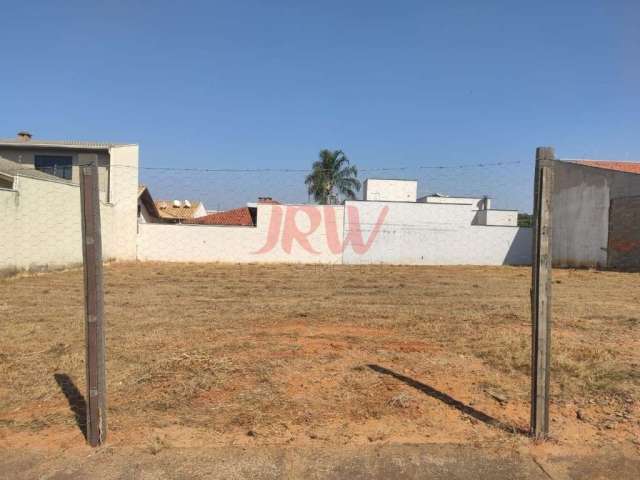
(629, 167)
(237, 216)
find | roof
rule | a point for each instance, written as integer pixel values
(237, 216)
(144, 195)
(167, 210)
(628, 167)
(72, 144)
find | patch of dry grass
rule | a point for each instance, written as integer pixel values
(276, 353)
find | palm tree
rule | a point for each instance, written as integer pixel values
(332, 176)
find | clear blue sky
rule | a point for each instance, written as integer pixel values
(266, 84)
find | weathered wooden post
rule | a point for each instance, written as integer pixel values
(541, 292)
(94, 305)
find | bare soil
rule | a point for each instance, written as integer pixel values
(219, 355)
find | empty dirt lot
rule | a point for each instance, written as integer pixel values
(203, 356)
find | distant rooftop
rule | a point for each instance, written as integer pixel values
(26, 140)
(239, 217)
(628, 167)
(177, 209)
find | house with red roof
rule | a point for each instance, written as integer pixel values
(596, 214)
(240, 217)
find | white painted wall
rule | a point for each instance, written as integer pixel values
(390, 190)
(502, 218)
(438, 234)
(478, 203)
(411, 233)
(214, 243)
(121, 237)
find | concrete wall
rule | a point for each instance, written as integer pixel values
(41, 223)
(581, 200)
(390, 190)
(623, 250)
(359, 232)
(437, 234)
(279, 236)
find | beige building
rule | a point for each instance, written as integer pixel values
(40, 201)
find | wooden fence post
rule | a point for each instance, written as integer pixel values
(541, 292)
(94, 305)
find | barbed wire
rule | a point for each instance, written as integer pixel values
(300, 170)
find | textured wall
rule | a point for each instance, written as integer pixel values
(8, 208)
(624, 233)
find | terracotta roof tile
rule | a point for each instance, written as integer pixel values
(237, 216)
(628, 167)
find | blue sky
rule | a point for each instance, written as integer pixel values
(249, 84)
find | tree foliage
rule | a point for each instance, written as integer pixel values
(332, 178)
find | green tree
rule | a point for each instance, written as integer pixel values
(332, 178)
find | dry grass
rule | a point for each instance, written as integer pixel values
(246, 354)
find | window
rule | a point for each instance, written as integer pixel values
(60, 166)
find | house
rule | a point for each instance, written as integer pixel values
(60, 159)
(40, 200)
(243, 217)
(596, 214)
(178, 211)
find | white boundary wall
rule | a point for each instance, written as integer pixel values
(410, 233)
(207, 243)
(437, 234)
